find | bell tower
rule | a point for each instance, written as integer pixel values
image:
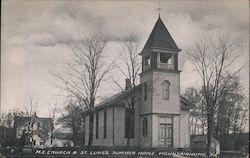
(160, 51)
(160, 75)
(160, 80)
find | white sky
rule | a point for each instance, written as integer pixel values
(36, 39)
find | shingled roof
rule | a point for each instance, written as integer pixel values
(20, 120)
(186, 104)
(160, 38)
(113, 100)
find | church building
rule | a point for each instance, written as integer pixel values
(161, 114)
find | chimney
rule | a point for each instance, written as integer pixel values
(128, 84)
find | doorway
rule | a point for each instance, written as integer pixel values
(166, 135)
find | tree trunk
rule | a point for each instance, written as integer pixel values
(91, 125)
(128, 141)
(192, 125)
(203, 127)
(131, 119)
(195, 126)
(208, 133)
(84, 130)
(211, 130)
(74, 136)
(129, 129)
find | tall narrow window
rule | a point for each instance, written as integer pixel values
(145, 91)
(145, 127)
(132, 134)
(165, 88)
(84, 128)
(129, 123)
(105, 124)
(97, 126)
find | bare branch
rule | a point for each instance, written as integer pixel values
(83, 77)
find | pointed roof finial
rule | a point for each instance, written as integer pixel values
(160, 38)
(159, 9)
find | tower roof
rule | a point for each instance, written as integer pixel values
(160, 38)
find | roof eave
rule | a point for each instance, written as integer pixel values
(187, 103)
(160, 49)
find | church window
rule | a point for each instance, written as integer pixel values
(145, 91)
(147, 60)
(129, 123)
(84, 128)
(105, 124)
(145, 127)
(165, 58)
(97, 126)
(165, 87)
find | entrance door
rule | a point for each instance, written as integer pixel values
(166, 135)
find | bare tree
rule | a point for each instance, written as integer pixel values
(52, 112)
(30, 107)
(84, 76)
(213, 60)
(130, 58)
(30, 110)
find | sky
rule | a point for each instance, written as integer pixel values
(36, 39)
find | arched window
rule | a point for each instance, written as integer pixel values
(165, 88)
(97, 126)
(145, 91)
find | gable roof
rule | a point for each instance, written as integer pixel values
(160, 38)
(20, 121)
(185, 104)
(45, 120)
(114, 99)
